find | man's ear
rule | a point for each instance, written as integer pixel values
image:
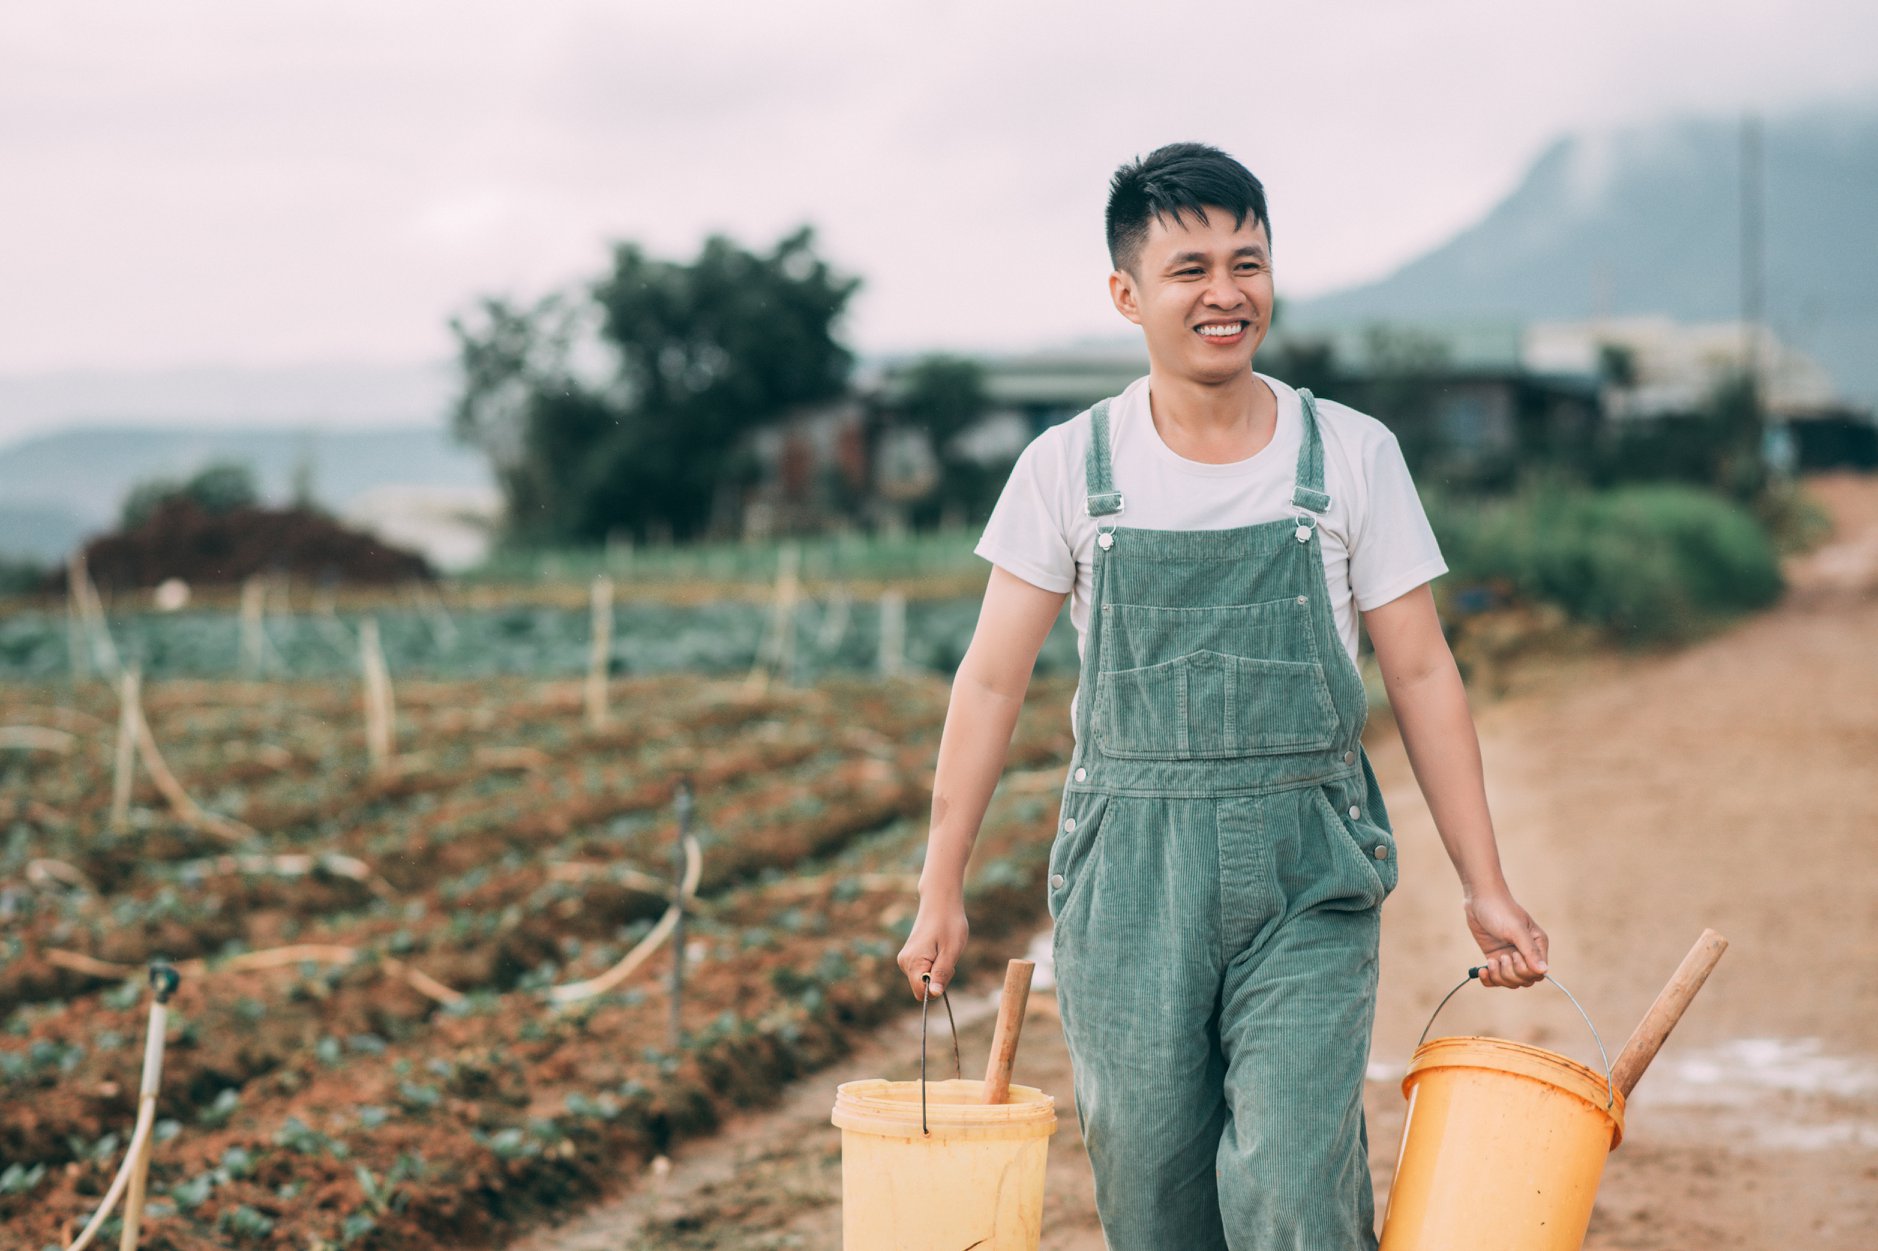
(1122, 292)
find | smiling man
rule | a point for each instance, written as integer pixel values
(1222, 851)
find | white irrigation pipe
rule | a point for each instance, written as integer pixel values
(82, 594)
(136, 1166)
(137, 726)
(270, 958)
(37, 738)
(573, 992)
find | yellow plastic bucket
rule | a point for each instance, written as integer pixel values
(975, 1181)
(1502, 1149)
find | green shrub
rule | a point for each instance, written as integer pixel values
(1651, 563)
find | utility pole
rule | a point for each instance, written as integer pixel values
(1753, 282)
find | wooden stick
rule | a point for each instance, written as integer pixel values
(600, 651)
(892, 633)
(128, 695)
(1651, 1032)
(378, 711)
(1010, 1024)
(253, 608)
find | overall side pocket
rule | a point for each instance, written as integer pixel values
(1072, 852)
(1368, 841)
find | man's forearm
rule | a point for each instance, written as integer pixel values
(1444, 750)
(972, 748)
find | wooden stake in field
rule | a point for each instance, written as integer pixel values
(600, 652)
(378, 708)
(776, 654)
(892, 633)
(834, 619)
(84, 596)
(253, 628)
(679, 865)
(129, 716)
(75, 641)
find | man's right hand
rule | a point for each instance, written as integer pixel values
(934, 946)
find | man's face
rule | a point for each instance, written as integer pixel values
(1201, 293)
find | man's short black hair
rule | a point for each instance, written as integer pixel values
(1171, 182)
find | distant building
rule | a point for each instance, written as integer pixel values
(1655, 367)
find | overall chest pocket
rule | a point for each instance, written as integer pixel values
(1208, 683)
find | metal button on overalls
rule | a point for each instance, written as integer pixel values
(1216, 944)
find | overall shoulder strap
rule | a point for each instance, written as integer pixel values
(1309, 491)
(1097, 471)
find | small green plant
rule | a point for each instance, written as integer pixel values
(19, 1180)
(218, 1112)
(244, 1222)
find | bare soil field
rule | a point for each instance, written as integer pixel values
(1638, 798)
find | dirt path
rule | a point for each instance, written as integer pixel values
(1733, 784)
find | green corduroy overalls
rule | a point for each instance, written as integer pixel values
(1216, 881)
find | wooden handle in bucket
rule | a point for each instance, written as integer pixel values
(1667, 1010)
(1010, 1025)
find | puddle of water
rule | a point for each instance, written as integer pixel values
(1745, 1070)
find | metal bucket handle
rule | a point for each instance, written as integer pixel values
(958, 1069)
(1610, 1082)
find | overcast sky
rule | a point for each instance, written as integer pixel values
(255, 184)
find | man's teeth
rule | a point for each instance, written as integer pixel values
(1220, 332)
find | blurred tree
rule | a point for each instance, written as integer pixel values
(626, 407)
(219, 487)
(943, 397)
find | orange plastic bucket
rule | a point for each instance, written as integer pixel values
(1502, 1149)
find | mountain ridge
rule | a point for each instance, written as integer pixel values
(1647, 219)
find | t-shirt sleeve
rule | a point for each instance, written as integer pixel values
(1026, 534)
(1393, 550)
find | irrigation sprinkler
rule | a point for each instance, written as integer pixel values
(136, 1167)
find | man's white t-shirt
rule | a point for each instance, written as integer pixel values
(1376, 540)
